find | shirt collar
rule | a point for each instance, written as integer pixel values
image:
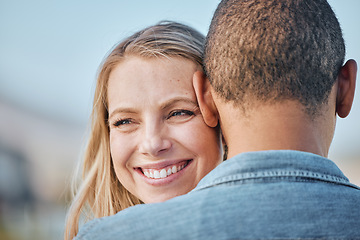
(274, 163)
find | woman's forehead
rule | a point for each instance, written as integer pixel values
(139, 80)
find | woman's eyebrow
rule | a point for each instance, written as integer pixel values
(121, 110)
(164, 105)
(173, 101)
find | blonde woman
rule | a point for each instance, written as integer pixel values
(148, 140)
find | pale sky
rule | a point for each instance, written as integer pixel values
(50, 51)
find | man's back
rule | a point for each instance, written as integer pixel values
(259, 195)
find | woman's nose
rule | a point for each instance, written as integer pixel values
(154, 141)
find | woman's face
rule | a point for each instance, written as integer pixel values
(160, 145)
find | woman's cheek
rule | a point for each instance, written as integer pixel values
(118, 147)
(194, 132)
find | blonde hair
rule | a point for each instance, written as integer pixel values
(101, 193)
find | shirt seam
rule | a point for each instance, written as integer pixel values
(278, 173)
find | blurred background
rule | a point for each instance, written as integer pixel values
(49, 55)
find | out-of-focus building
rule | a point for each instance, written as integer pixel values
(37, 158)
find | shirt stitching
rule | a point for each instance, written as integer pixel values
(278, 173)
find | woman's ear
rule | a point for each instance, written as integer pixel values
(205, 100)
(346, 88)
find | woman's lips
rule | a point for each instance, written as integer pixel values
(164, 172)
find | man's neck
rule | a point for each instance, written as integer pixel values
(276, 127)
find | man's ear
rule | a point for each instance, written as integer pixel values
(346, 88)
(205, 100)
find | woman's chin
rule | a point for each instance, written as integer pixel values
(162, 197)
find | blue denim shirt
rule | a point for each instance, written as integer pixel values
(257, 195)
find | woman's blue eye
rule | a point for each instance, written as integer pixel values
(122, 122)
(178, 113)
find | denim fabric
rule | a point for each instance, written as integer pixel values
(256, 195)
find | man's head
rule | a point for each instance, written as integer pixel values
(276, 75)
(272, 51)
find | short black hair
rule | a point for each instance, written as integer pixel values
(274, 51)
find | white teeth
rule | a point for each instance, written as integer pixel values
(163, 173)
(156, 174)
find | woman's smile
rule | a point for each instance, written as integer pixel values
(163, 175)
(164, 172)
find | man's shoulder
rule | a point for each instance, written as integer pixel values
(247, 198)
(176, 216)
(276, 209)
